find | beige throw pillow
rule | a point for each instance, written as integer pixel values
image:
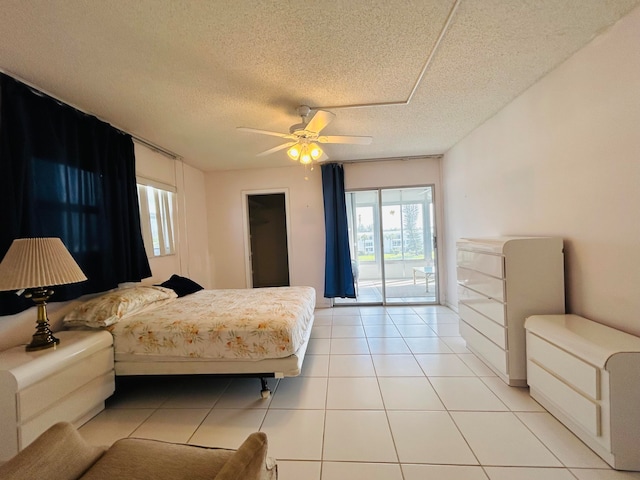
(115, 305)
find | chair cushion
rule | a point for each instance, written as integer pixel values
(142, 459)
(60, 453)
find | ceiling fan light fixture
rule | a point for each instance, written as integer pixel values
(305, 155)
(294, 152)
(303, 138)
(315, 151)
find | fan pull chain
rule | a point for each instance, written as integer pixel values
(306, 176)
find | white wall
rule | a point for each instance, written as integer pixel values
(194, 240)
(307, 237)
(226, 221)
(564, 159)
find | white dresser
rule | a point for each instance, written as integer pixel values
(588, 376)
(502, 281)
(67, 383)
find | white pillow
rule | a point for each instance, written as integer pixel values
(111, 307)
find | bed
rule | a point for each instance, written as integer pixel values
(259, 332)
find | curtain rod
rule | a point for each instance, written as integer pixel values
(388, 159)
(142, 141)
(155, 148)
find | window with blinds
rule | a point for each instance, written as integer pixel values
(157, 217)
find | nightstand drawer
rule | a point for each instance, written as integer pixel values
(580, 408)
(73, 407)
(570, 369)
(41, 395)
(490, 329)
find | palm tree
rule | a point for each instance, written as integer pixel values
(413, 238)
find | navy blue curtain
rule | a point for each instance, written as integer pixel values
(69, 175)
(338, 276)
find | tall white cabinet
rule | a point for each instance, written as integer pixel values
(502, 281)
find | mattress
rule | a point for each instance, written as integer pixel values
(231, 324)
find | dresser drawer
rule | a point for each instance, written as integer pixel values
(573, 371)
(485, 347)
(485, 284)
(581, 409)
(482, 262)
(494, 332)
(489, 307)
(42, 394)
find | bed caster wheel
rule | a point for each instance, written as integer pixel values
(265, 392)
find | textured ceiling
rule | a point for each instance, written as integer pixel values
(185, 74)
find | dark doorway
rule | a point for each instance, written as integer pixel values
(268, 239)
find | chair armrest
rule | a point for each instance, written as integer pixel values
(250, 461)
(60, 453)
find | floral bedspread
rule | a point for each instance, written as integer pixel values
(231, 324)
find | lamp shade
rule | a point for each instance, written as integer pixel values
(38, 262)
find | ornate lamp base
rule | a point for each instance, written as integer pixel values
(43, 338)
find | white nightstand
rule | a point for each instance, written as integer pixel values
(38, 389)
(586, 375)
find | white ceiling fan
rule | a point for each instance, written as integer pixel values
(303, 136)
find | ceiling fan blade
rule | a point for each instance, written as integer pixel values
(267, 132)
(276, 149)
(320, 119)
(345, 139)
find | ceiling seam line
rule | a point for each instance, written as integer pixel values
(443, 32)
(425, 67)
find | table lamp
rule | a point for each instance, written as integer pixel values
(35, 265)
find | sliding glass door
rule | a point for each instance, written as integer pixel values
(363, 218)
(408, 245)
(393, 249)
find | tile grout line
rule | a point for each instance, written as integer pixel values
(332, 355)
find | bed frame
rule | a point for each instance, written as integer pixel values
(291, 366)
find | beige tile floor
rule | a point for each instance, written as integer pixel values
(385, 394)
